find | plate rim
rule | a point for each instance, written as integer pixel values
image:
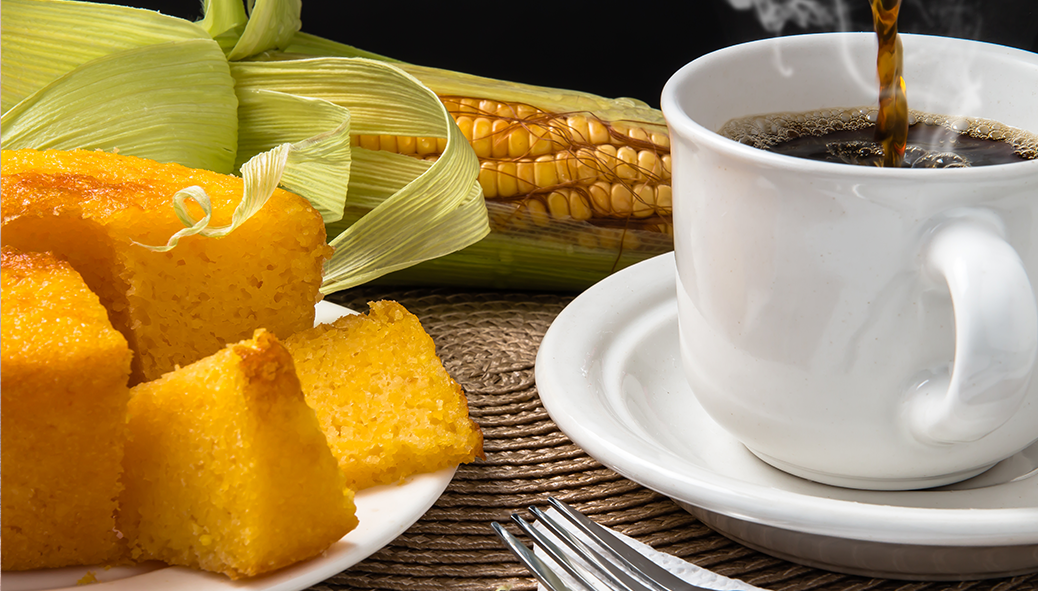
(585, 325)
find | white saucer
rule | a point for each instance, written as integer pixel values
(609, 374)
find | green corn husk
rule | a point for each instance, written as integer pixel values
(179, 94)
(524, 251)
(136, 101)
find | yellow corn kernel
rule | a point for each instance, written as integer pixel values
(518, 143)
(579, 208)
(441, 144)
(524, 171)
(453, 104)
(369, 142)
(488, 179)
(406, 144)
(638, 134)
(558, 205)
(644, 203)
(425, 146)
(621, 199)
(488, 107)
(507, 179)
(540, 140)
(649, 166)
(661, 139)
(468, 105)
(598, 133)
(565, 167)
(627, 160)
(499, 138)
(585, 165)
(618, 138)
(605, 160)
(600, 193)
(664, 199)
(578, 129)
(481, 141)
(465, 124)
(544, 172)
(538, 212)
(523, 111)
(505, 111)
(388, 143)
(558, 135)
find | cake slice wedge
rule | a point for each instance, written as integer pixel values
(64, 374)
(384, 400)
(226, 468)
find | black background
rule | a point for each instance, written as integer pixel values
(622, 49)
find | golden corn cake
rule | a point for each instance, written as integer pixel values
(386, 404)
(178, 306)
(226, 469)
(64, 394)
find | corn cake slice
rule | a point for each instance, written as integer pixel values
(386, 404)
(178, 306)
(226, 468)
(64, 394)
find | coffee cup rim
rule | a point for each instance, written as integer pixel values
(678, 118)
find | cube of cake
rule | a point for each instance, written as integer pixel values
(226, 468)
(63, 384)
(387, 405)
(178, 306)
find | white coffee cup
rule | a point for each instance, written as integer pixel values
(853, 325)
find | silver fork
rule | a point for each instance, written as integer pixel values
(596, 566)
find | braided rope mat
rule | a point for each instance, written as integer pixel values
(488, 342)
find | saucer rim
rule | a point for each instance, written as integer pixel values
(584, 326)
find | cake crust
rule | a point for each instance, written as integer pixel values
(94, 209)
(64, 394)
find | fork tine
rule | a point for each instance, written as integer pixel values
(550, 548)
(625, 554)
(605, 569)
(535, 565)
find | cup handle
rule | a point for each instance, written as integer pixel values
(996, 332)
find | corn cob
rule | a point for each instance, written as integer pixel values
(571, 197)
(577, 186)
(567, 166)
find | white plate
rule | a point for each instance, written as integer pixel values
(384, 512)
(609, 374)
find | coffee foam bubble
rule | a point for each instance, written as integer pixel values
(765, 131)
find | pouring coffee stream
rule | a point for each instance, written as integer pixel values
(892, 119)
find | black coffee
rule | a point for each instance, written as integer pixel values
(848, 136)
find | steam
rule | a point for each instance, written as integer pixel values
(952, 18)
(953, 91)
(774, 15)
(949, 18)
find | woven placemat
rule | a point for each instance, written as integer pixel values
(488, 342)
